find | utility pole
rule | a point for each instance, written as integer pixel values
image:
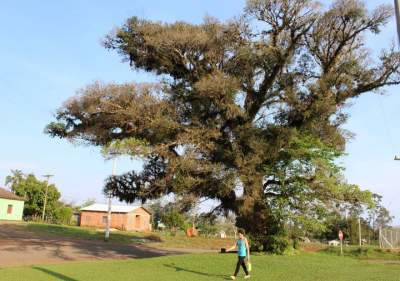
(107, 234)
(45, 194)
(359, 231)
(397, 10)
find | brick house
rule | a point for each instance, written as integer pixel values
(11, 206)
(130, 218)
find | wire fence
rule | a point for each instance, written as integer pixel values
(389, 238)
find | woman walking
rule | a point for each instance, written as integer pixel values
(242, 246)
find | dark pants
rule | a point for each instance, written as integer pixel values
(242, 263)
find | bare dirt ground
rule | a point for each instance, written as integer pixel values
(312, 247)
(20, 248)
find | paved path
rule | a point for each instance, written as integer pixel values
(21, 248)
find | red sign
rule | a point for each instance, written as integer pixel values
(340, 235)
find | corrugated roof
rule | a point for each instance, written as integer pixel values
(114, 208)
(5, 194)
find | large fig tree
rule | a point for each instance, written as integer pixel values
(246, 112)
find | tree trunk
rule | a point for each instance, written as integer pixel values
(266, 232)
(252, 210)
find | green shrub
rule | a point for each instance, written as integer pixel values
(276, 244)
(296, 244)
(62, 214)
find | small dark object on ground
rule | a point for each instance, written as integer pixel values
(224, 251)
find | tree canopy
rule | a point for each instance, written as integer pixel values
(248, 112)
(33, 190)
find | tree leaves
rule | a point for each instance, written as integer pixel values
(248, 112)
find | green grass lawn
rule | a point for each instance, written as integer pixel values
(365, 253)
(159, 240)
(303, 267)
(86, 233)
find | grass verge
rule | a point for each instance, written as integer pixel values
(159, 240)
(365, 253)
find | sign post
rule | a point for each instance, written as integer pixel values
(341, 241)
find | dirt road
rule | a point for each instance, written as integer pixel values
(19, 247)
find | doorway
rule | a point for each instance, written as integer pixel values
(137, 221)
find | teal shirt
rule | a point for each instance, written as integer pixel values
(241, 245)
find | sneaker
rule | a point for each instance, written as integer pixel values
(233, 277)
(247, 277)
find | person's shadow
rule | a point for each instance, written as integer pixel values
(178, 268)
(59, 276)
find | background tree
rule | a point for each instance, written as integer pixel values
(345, 217)
(157, 211)
(62, 213)
(350, 228)
(15, 178)
(173, 219)
(207, 224)
(379, 216)
(247, 112)
(33, 190)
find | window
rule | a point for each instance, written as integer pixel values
(9, 209)
(104, 219)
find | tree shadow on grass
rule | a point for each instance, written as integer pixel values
(178, 268)
(57, 275)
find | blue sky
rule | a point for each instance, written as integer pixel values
(50, 49)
